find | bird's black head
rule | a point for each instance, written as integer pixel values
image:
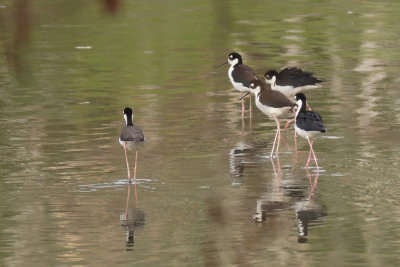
(270, 74)
(128, 116)
(300, 96)
(255, 83)
(301, 101)
(128, 112)
(235, 58)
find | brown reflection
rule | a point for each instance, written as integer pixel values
(22, 27)
(111, 6)
(222, 24)
(23, 21)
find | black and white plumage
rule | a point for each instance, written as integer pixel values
(130, 138)
(309, 124)
(130, 133)
(273, 104)
(240, 75)
(291, 81)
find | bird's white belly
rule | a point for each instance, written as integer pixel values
(130, 145)
(305, 134)
(238, 86)
(270, 111)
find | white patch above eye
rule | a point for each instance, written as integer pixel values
(233, 61)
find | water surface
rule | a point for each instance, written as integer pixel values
(207, 193)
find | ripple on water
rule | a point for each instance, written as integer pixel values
(117, 184)
(332, 137)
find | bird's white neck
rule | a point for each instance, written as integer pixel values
(299, 104)
(256, 91)
(273, 81)
(128, 120)
(234, 62)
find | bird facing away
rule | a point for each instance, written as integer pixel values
(291, 81)
(309, 124)
(130, 138)
(240, 75)
(273, 104)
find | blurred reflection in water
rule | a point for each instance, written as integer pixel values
(60, 89)
(308, 210)
(133, 219)
(285, 195)
(274, 199)
(238, 159)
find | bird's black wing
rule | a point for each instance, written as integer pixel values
(274, 98)
(310, 121)
(296, 77)
(244, 74)
(132, 133)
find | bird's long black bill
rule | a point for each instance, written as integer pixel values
(221, 64)
(246, 94)
(295, 105)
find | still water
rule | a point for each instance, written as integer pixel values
(207, 193)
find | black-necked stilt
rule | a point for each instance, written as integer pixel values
(309, 124)
(291, 81)
(272, 103)
(130, 138)
(240, 75)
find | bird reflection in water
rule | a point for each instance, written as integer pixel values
(133, 219)
(290, 194)
(237, 159)
(270, 202)
(308, 210)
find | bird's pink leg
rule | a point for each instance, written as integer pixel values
(279, 134)
(127, 164)
(250, 108)
(312, 151)
(127, 201)
(277, 137)
(313, 186)
(288, 123)
(309, 158)
(273, 145)
(134, 170)
(242, 106)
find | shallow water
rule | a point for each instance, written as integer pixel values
(207, 193)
